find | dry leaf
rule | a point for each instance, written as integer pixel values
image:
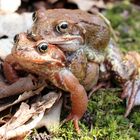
(52, 1)
(21, 122)
(22, 97)
(9, 6)
(12, 24)
(22, 85)
(5, 47)
(86, 5)
(51, 119)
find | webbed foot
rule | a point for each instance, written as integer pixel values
(78, 97)
(75, 120)
(131, 93)
(97, 87)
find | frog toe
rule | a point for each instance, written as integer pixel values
(131, 93)
(75, 120)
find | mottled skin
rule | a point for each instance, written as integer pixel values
(86, 31)
(86, 71)
(71, 30)
(50, 64)
(132, 94)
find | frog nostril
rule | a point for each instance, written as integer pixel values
(32, 36)
(45, 32)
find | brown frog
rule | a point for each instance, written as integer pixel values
(49, 62)
(71, 30)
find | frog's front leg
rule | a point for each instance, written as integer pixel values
(10, 73)
(78, 96)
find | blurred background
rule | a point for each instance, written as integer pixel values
(123, 15)
(31, 5)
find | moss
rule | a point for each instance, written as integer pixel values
(125, 19)
(107, 121)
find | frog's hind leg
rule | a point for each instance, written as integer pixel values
(77, 94)
(131, 91)
(75, 120)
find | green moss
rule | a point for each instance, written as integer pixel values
(104, 120)
(125, 19)
(107, 122)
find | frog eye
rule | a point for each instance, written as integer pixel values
(62, 27)
(42, 47)
(34, 16)
(16, 38)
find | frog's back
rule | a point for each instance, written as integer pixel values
(76, 16)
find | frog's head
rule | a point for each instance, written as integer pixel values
(70, 29)
(33, 55)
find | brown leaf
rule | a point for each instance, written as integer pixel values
(22, 85)
(12, 24)
(51, 119)
(27, 117)
(7, 6)
(88, 4)
(22, 97)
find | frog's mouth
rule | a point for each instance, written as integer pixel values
(68, 43)
(59, 40)
(21, 59)
(67, 40)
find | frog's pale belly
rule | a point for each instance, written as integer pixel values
(90, 77)
(86, 71)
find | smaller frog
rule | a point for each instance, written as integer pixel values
(48, 61)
